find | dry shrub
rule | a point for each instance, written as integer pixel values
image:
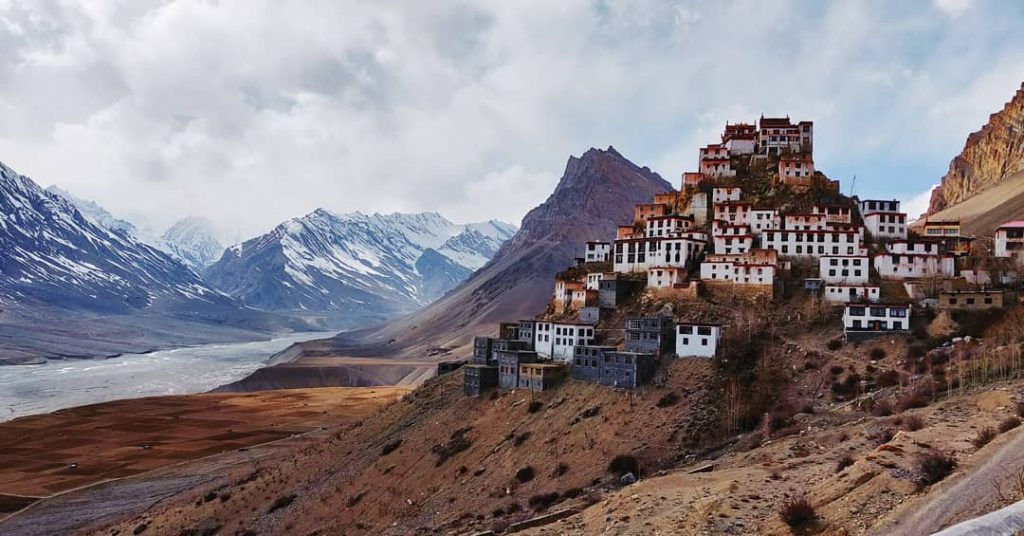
(911, 423)
(668, 399)
(390, 447)
(844, 462)
(534, 406)
(560, 470)
(984, 437)
(282, 502)
(834, 344)
(525, 474)
(797, 512)
(882, 409)
(1009, 424)
(1020, 409)
(877, 353)
(882, 436)
(887, 378)
(917, 399)
(934, 466)
(543, 501)
(624, 463)
(520, 439)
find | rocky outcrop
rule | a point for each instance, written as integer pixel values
(990, 155)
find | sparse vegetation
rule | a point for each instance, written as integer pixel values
(560, 470)
(877, 353)
(887, 378)
(525, 474)
(984, 437)
(882, 409)
(456, 443)
(390, 447)
(934, 466)
(520, 439)
(844, 462)
(911, 423)
(283, 501)
(917, 399)
(624, 463)
(543, 501)
(534, 406)
(834, 344)
(668, 399)
(797, 512)
(1008, 424)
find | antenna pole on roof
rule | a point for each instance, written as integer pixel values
(853, 184)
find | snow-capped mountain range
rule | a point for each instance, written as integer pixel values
(372, 265)
(191, 240)
(55, 254)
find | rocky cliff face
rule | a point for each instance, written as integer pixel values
(990, 155)
(596, 193)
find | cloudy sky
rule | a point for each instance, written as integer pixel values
(250, 112)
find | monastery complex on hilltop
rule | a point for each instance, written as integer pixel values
(754, 222)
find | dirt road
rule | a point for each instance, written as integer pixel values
(962, 497)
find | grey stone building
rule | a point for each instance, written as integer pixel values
(445, 367)
(508, 366)
(650, 335)
(527, 329)
(609, 366)
(627, 370)
(612, 293)
(482, 350)
(590, 315)
(541, 376)
(586, 362)
(478, 379)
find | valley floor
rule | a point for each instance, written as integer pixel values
(82, 465)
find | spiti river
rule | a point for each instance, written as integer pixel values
(33, 389)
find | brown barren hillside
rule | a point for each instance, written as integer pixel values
(596, 193)
(990, 156)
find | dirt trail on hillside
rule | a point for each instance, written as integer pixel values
(960, 498)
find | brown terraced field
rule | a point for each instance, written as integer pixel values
(46, 455)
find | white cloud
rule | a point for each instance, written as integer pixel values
(251, 112)
(917, 205)
(954, 8)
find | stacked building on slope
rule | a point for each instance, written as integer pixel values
(720, 236)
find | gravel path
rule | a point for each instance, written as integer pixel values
(962, 497)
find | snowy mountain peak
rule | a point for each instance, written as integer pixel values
(194, 241)
(381, 264)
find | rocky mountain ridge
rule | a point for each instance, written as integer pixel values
(990, 155)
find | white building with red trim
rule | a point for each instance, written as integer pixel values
(734, 212)
(715, 161)
(778, 134)
(844, 269)
(1009, 240)
(812, 243)
(796, 170)
(852, 293)
(883, 218)
(722, 194)
(665, 276)
(760, 219)
(740, 138)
